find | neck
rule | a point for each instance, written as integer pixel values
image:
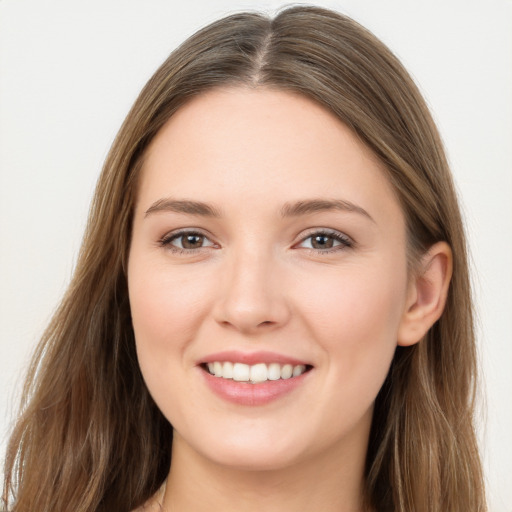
(331, 481)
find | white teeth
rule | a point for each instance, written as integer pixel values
(259, 373)
(227, 370)
(217, 369)
(241, 372)
(286, 371)
(274, 371)
(298, 370)
(255, 373)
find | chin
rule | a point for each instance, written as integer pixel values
(247, 453)
(254, 458)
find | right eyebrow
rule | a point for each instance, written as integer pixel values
(307, 207)
(183, 206)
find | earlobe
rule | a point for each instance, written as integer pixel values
(427, 294)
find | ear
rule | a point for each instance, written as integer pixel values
(427, 294)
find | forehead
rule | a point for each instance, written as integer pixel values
(237, 145)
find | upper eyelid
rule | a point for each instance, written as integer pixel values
(184, 231)
(324, 231)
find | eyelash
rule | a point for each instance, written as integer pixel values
(344, 241)
(166, 240)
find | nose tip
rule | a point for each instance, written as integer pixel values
(252, 300)
(249, 319)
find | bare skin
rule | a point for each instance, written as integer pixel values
(263, 224)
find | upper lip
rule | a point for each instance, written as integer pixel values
(251, 358)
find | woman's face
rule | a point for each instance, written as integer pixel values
(269, 249)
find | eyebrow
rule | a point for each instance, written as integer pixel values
(296, 209)
(322, 205)
(183, 206)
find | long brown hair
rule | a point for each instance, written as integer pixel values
(90, 437)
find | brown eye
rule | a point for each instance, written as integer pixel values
(322, 242)
(191, 241)
(326, 241)
(186, 241)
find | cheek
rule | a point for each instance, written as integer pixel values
(357, 301)
(167, 307)
(355, 320)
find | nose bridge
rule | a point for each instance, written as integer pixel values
(251, 297)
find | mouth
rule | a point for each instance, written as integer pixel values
(254, 373)
(255, 378)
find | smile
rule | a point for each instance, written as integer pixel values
(255, 373)
(253, 378)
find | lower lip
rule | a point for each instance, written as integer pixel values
(245, 393)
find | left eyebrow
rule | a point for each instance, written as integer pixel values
(322, 205)
(183, 206)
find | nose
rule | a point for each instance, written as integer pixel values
(252, 298)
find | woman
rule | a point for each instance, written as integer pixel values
(271, 307)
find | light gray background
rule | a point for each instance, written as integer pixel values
(70, 70)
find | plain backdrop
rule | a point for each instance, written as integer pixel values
(70, 70)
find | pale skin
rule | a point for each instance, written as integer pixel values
(263, 224)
